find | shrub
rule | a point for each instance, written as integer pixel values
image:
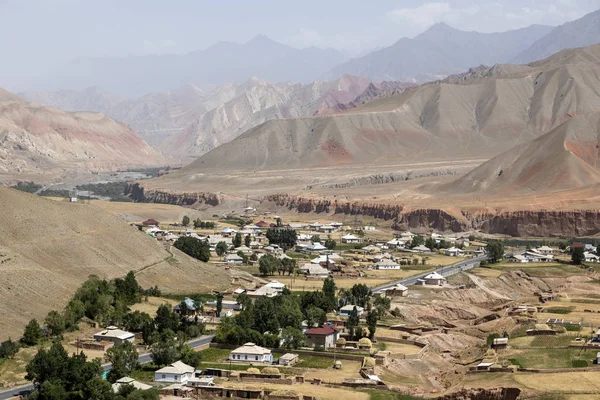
(270, 371)
(579, 363)
(253, 370)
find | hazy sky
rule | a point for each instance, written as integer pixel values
(36, 34)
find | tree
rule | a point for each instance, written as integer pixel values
(330, 244)
(430, 243)
(136, 321)
(285, 238)
(288, 265)
(124, 360)
(193, 247)
(360, 294)
(315, 316)
(417, 241)
(221, 248)
(372, 323)
(166, 319)
(352, 322)
(8, 348)
(247, 240)
(128, 290)
(32, 334)
(237, 240)
(292, 338)
(382, 305)
(329, 291)
(268, 265)
(219, 303)
(55, 323)
(495, 249)
(266, 318)
(315, 239)
(577, 255)
(163, 352)
(185, 221)
(188, 356)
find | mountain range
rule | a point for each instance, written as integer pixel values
(36, 139)
(474, 115)
(188, 122)
(221, 63)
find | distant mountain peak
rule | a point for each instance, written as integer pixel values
(261, 39)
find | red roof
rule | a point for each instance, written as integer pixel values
(150, 222)
(577, 244)
(262, 224)
(325, 330)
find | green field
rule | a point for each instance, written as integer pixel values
(551, 358)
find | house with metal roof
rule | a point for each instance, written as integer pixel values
(347, 310)
(386, 263)
(250, 352)
(188, 307)
(116, 387)
(324, 336)
(178, 372)
(114, 335)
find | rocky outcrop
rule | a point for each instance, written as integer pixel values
(436, 219)
(541, 223)
(137, 193)
(484, 394)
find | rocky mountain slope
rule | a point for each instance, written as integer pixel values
(188, 122)
(579, 33)
(566, 158)
(36, 139)
(440, 51)
(49, 248)
(216, 65)
(475, 115)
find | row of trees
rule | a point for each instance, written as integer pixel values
(269, 265)
(193, 247)
(286, 238)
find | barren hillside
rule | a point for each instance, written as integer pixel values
(49, 248)
(565, 158)
(476, 115)
(35, 139)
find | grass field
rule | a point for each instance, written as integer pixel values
(300, 284)
(548, 358)
(318, 391)
(540, 269)
(152, 305)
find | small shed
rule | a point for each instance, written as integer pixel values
(288, 359)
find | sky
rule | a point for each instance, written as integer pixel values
(38, 34)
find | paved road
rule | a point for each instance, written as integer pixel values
(143, 359)
(444, 271)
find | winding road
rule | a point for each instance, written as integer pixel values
(143, 359)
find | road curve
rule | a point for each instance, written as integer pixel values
(143, 359)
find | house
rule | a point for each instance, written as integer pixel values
(177, 372)
(271, 289)
(288, 359)
(350, 239)
(316, 247)
(316, 226)
(262, 224)
(396, 244)
(545, 250)
(324, 336)
(233, 259)
(315, 270)
(387, 264)
(407, 235)
(276, 285)
(203, 381)
(116, 387)
(250, 352)
(252, 228)
(226, 313)
(114, 335)
(372, 249)
(226, 305)
(347, 310)
(590, 257)
(327, 229)
(150, 222)
(590, 248)
(336, 225)
(517, 258)
(368, 228)
(273, 249)
(453, 252)
(397, 290)
(187, 307)
(500, 342)
(434, 279)
(598, 358)
(421, 249)
(228, 232)
(245, 250)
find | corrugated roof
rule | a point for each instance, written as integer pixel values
(326, 329)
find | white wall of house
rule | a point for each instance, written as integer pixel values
(251, 357)
(173, 378)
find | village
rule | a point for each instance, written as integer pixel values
(324, 310)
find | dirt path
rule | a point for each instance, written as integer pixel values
(478, 282)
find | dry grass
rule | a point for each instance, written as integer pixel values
(487, 273)
(399, 348)
(561, 382)
(138, 212)
(152, 305)
(12, 371)
(349, 369)
(300, 284)
(307, 389)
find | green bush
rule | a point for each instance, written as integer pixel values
(559, 310)
(573, 328)
(579, 363)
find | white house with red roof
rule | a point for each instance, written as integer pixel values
(324, 336)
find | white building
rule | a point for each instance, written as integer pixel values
(453, 252)
(351, 239)
(177, 372)
(434, 279)
(114, 335)
(250, 352)
(116, 387)
(396, 243)
(233, 259)
(590, 257)
(387, 264)
(422, 249)
(347, 310)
